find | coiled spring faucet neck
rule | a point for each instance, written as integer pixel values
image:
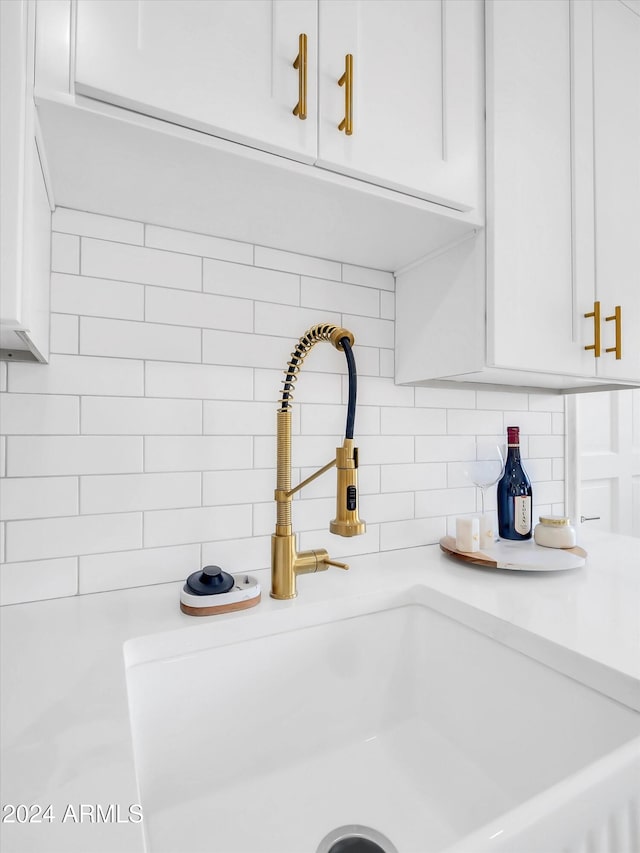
(286, 563)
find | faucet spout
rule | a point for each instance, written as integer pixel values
(286, 561)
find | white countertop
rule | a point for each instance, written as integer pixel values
(65, 726)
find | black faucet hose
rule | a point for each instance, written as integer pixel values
(353, 386)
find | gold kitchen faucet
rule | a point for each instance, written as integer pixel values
(286, 561)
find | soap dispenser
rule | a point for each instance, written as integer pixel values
(214, 591)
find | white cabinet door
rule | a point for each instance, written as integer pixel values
(417, 95)
(532, 289)
(607, 460)
(221, 66)
(616, 121)
(25, 215)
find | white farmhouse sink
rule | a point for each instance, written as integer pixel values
(264, 734)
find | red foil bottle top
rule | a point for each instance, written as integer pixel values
(513, 436)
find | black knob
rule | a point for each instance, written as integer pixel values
(210, 581)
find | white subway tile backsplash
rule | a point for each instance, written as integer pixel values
(249, 282)
(410, 534)
(546, 402)
(291, 262)
(439, 502)
(39, 580)
(128, 339)
(400, 420)
(198, 244)
(95, 225)
(238, 487)
(140, 416)
(244, 350)
(203, 310)
(412, 477)
(530, 423)
(369, 331)
(69, 374)
(39, 456)
(290, 322)
(445, 398)
(545, 445)
(123, 262)
(385, 449)
(445, 448)
(512, 401)
(368, 277)
(337, 296)
(387, 305)
(38, 497)
(377, 391)
(65, 253)
(100, 572)
(222, 417)
(65, 334)
(391, 507)
(239, 555)
(197, 453)
(65, 537)
(474, 422)
(387, 363)
(548, 493)
(181, 526)
(538, 469)
(107, 493)
(329, 420)
(146, 447)
(96, 297)
(35, 414)
(198, 381)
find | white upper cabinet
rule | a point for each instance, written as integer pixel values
(532, 295)
(25, 215)
(414, 90)
(224, 67)
(227, 68)
(563, 213)
(616, 186)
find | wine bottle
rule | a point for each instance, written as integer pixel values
(515, 495)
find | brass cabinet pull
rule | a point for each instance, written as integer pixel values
(300, 65)
(617, 316)
(347, 81)
(595, 346)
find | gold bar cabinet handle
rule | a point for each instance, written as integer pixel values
(347, 81)
(595, 346)
(300, 65)
(617, 316)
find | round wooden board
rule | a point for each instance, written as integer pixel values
(519, 556)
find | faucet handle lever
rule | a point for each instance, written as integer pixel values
(329, 562)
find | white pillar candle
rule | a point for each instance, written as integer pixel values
(467, 535)
(487, 536)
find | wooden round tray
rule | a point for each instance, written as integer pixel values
(519, 556)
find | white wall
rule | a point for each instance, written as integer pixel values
(146, 447)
